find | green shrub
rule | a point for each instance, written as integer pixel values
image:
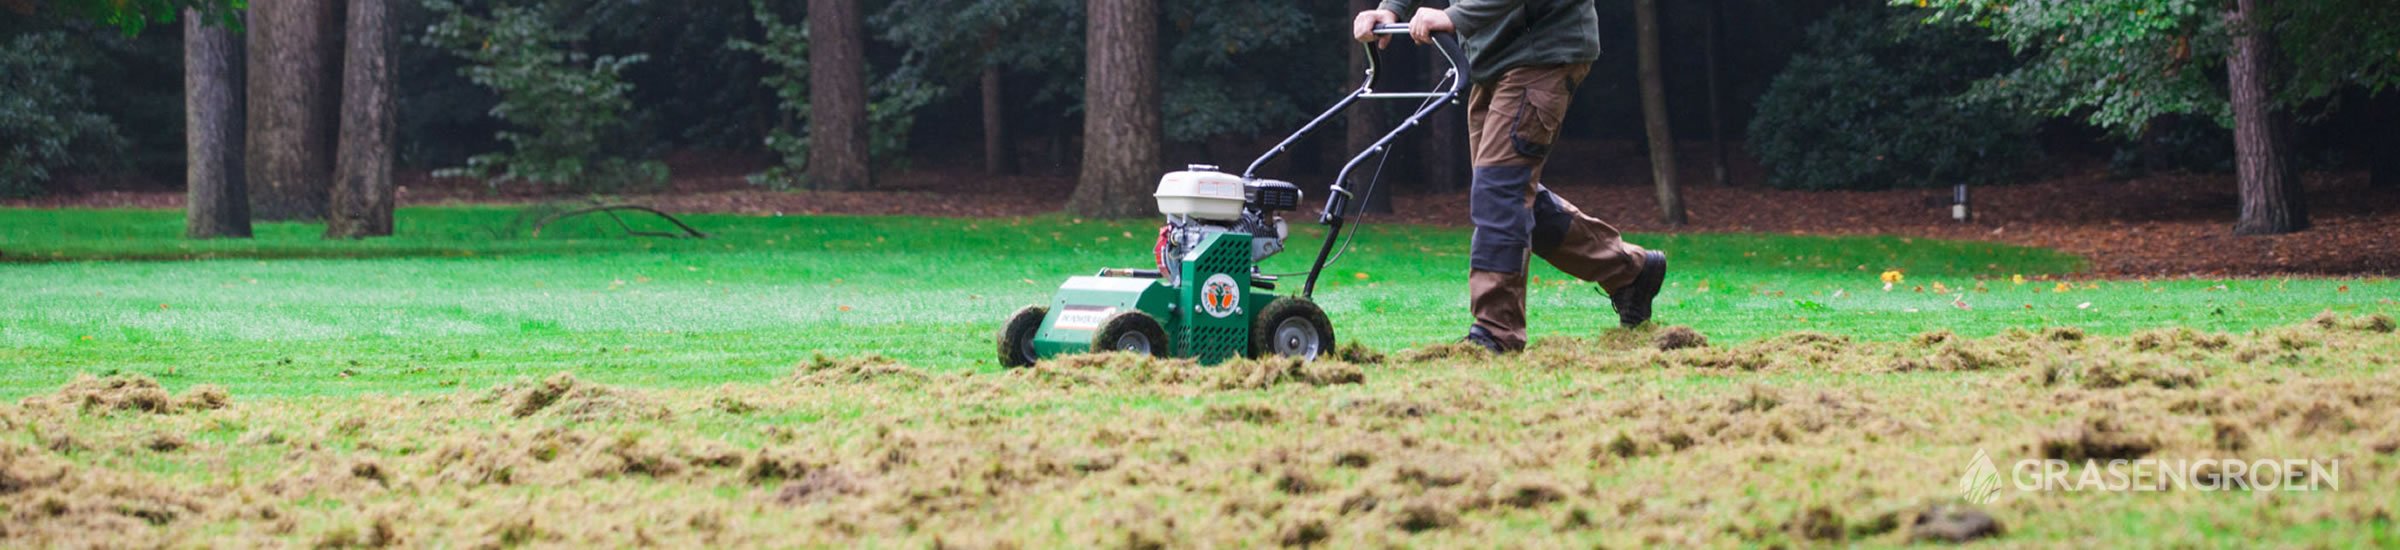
(566, 109)
(1871, 104)
(46, 118)
(892, 105)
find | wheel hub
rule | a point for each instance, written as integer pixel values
(1134, 342)
(1297, 338)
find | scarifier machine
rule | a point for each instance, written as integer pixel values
(1206, 298)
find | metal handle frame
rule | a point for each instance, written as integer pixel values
(1337, 203)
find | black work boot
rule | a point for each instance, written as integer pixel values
(1480, 338)
(1633, 301)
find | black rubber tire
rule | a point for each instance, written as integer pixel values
(1016, 337)
(1114, 333)
(1292, 309)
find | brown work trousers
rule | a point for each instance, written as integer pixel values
(1511, 124)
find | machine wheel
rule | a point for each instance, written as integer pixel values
(1291, 326)
(1132, 332)
(1016, 338)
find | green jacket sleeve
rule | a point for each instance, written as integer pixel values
(1472, 15)
(1400, 7)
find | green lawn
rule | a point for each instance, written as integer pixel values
(448, 304)
(401, 392)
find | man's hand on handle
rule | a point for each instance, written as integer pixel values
(1364, 26)
(1427, 22)
(1420, 28)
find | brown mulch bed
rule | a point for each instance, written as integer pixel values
(2154, 226)
(2168, 225)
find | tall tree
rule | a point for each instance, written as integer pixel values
(2384, 143)
(1710, 46)
(2124, 63)
(1445, 133)
(216, 205)
(837, 89)
(1363, 124)
(1654, 113)
(997, 160)
(295, 106)
(362, 187)
(1121, 130)
(2270, 185)
(1446, 165)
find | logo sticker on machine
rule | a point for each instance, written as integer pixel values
(1220, 297)
(1083, 317)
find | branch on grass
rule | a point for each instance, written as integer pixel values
(612, 210)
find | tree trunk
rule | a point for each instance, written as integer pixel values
(997, 160)
(837, 97)
(2384, 143)
(1445, 132)
(362, 187)
(1654, 113)
(1446, 166)
(294, 71)
(2270, 186)
(1121, 130)
(1363, 124)
(1710, 47)
(215, 205)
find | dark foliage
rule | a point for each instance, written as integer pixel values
(1869, 105)
(47, 118)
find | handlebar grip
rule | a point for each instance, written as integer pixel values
(1445, 41)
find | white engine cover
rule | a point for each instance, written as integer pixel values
(1202, 194)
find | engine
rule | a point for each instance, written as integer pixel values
(1202, 202)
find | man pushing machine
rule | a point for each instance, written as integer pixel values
(1528, 56)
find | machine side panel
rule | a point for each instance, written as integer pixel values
(1216, 281)
(1084, 302)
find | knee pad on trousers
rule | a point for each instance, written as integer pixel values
(1503, 223)
(1550, 222)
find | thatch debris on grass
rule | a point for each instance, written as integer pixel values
(1934, 338)
(2104, 371)
(2374, 323)
(819, 485)
(1428, 453)
(821, 370)
(1130, 370)
(1252, 374)
(1424, 515)
(1384, 407)
(1110, 369)
(2173, 339)
(1530, 492)
(1357, 353)
(58, 503)
(1453, 351)
(1303, 532)
(1679, 337)
(133, 393)
(1954, 524)
(2097, 439)
(1818, 523)
(1250, 413)
(563, 395)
